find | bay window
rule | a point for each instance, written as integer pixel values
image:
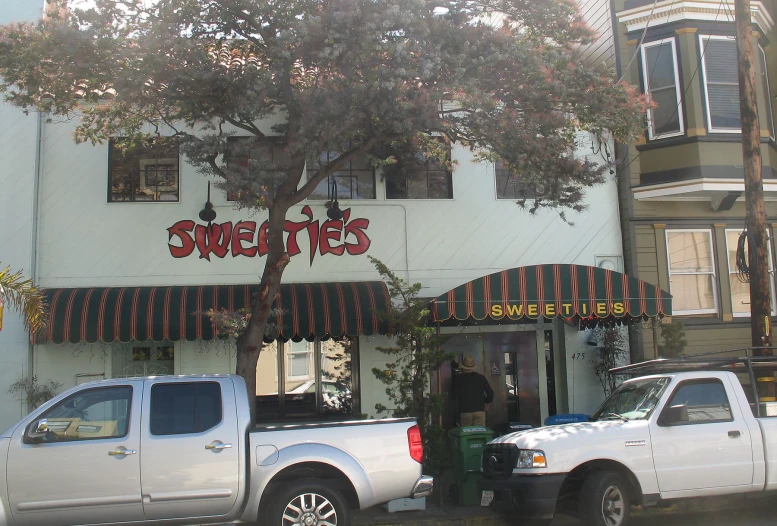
(662, 86)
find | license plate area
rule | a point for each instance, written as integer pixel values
(486, 498)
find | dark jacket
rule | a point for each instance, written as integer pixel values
(472, 392)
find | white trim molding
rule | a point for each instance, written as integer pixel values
(701, 189)
(668, 11)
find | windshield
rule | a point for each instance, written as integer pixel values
(633, 400)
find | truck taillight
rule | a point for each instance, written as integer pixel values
(415, 444)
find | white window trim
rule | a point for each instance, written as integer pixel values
(702, 49)
(767, 95)
(646, 77)
(732, 272)
(714, 310)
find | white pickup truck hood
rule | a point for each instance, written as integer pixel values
(567, 446)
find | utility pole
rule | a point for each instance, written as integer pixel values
(755, 221)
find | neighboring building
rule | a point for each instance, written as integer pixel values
(682, 188)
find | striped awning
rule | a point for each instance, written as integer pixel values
(574, 292)
(309, 310)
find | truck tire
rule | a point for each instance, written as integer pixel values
(604, 500)
(308, 502)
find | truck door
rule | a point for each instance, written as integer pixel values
(190, 461)
(86, 470)
(709, 449)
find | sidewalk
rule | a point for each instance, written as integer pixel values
(449, 516)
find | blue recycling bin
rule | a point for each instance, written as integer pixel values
(568, 418)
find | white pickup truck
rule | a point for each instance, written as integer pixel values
(178, 450)
(687, 430)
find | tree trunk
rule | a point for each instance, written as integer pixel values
(758, 253)
(249, 345)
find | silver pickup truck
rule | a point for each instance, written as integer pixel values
(178, 450)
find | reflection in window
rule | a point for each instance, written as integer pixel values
(422, 177)
(250, 155)
(183, 408)
(740, 289)
(660, 74)
(149, 173)
(691, 271)
(94, 413)
(355, 180)
(510, 185)
(705, 401)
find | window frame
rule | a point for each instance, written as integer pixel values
(272, 142)
(767, 95)
(80, 393)
(703, 56)
(348, 172)
(695, 381)
(713, 274)
(732, 272)
(448, 175)
(141, 175)
(516, 178)
(196, 402)
(678, 94)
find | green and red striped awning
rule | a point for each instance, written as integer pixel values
(550, 291)
(309, 310)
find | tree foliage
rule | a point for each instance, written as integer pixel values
(612, 350)
(34, 393)
(328, 80)
(414, 354)
(25, 298)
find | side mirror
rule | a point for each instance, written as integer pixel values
(37, 430)
(675, 414)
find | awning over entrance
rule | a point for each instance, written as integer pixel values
(310, 310)
(589, 294)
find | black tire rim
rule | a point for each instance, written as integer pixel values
(309, 509)
(613, 506)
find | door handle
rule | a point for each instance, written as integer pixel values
(218, 446)
(121, 451)
(734, 434)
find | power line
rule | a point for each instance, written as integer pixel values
(639, 44)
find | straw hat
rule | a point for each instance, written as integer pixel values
(467, 362)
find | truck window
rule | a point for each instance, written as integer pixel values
(90, 414)
(705, 400)
(182, 408)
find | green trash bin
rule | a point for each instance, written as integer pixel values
(468, 444)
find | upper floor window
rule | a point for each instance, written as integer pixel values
(424, 177)
(721, 84)
(147, 173)
(691, 271)
(662, 85)
(355, 180)
(510, 185)
(249, 155)
(740, 289)
(764, 73)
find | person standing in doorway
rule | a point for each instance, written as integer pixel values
(472, 394)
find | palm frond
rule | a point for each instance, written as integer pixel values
(28, 300)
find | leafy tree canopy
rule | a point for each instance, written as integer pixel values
(505, 77)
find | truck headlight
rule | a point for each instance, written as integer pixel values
(531, 458)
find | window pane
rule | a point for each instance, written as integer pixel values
(354, 181)
(740, 295)
(666, 115)
(396, 187)
(659, 64)
(705, 401)
(720, 63)
(143, 174)
(690, 251)
(439, 186)
(95, 413)
(182, 408)
(692, 292)
(417, 185)
(336, 377)
(767, 93)
(300, 398)
(267, 398)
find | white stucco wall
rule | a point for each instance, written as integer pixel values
(17, 168)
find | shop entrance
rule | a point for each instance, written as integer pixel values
(509, 362)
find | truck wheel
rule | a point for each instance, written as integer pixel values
(308, 502)
(604, 500)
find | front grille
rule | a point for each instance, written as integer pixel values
(499, 460)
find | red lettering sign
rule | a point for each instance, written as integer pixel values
(246, 239)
